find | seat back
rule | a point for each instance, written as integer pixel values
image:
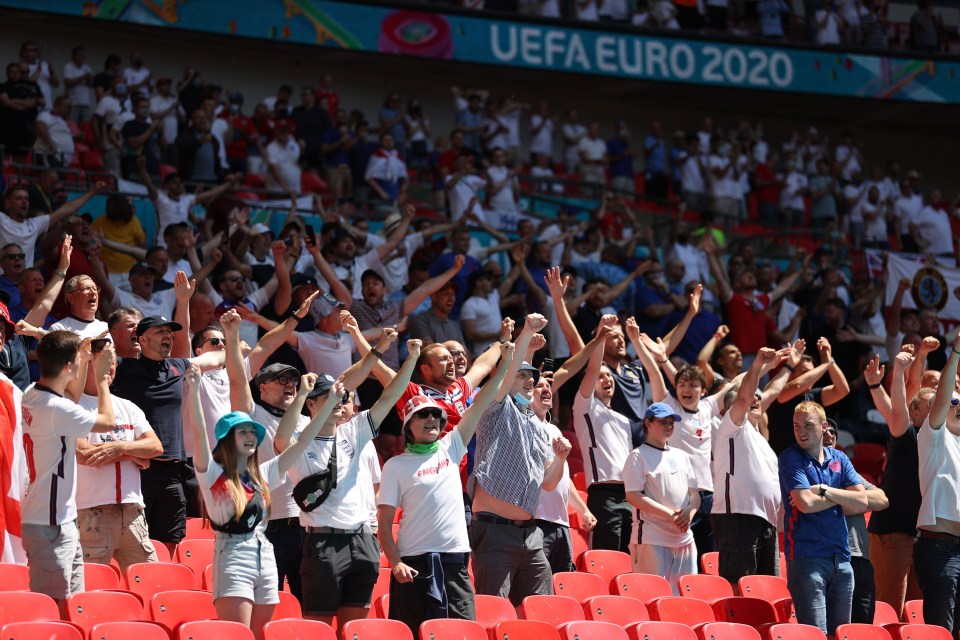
(615, 609)
(90, 608)
(924, 632)
(593, 630)
(381, 608)
(150, 578)
(862, 631)
(579, 585)
(492, 610)
(913, 612)
(163, 554)
(14, 577)
(41, 630)
(884, 614)
(645, 587)
(298, 630)
(660, 630)
(607, 564)
(100, 576)
(705, 587)
(288, 607)
(127, 630)
(376, 629)
(215, 630)
(173, 608)
(728, 631)
(710, 563)
(196, 554)
(523, 630)
(795, 632)
(743, 610)
(451, 629)
(198, 528)
(686, 611)
(26, 606)
(554, 610)
(767, 588)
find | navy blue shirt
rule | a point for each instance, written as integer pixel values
(822, 534)
(623, 166)
(338, 156)
(443, 263)
(156, 386)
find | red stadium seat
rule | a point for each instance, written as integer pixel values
(196, 553)
(591, 630)
(728, 631)
(580, 541)
(554, 610)
(41, 630)
(173, 608)
(742, 610)
(375, 629)
(100, 576)
(452, 629)
(208, 578)
(616, 609)
(492, 610)
(198, 528)
(645, 587)
(382, 606)
(774, 590)
(913, 612)
(579, 481)
(660, 631)
(26, 606)
(795, 632)
(14, 577)
(288, 607)
(705, 587)
(710, 563)
(298, 630)
(861, 632)
(148, 578)
(524, 630)
(924, 632)
(869, 457)
(215, 630)
(884, 614)
(607, 564)
(683, 610)
(381, 588)
(128, 630)
(579, 585)
(90, 608)
(163, 554)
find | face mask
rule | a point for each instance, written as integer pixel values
(521, 400)
(234, 108)
(121, 88)
(724, 149)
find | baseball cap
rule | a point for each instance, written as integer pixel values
(142, 266)
(274, 371)
(156, 321)
(526, 366)
(259, 228)
(236, 419)
(322, 306)
(300, 279)
(339, 235)
(416, 403)
(661, 410)
(322, 387)
(372, 273)
(5, 314)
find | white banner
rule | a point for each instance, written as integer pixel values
(931, 285)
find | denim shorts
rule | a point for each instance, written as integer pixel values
(244, 567)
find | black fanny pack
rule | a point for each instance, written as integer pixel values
(313, 490)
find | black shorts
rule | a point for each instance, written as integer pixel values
(165, 501)
(338, 570)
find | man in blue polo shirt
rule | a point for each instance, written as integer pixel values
(818, 484)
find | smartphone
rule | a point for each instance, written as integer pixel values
(549, 365)
(310, 239)
(288, 241)
(97, 344)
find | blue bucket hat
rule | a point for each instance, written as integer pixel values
(236, 419)
(659, 410)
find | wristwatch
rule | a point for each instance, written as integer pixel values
(823, 491)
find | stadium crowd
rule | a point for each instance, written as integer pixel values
(302, 389)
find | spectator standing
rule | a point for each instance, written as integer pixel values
(828, 23)
(137, 77)
(141, 139)
(393, 121)
(823, 202)
(925, 28)
(620, 158)
(78, 81)
(198, 150)
(541, 132)
(418, 129)
(573, 132)
(772, 13)
(39, 71)
(54, 137)
(311, 121)
(657, 180)
(283, 161)
(19, 105)
(593, 157)
(165, 106)
(386, 171)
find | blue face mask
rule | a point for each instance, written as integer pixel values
(521, 399)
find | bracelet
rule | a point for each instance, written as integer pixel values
(874, 386)
(788, 368)
(661, 362)
(955, 351)
(376, 353)
(62, 274)
(502, 341)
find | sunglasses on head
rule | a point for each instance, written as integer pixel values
(430, 412)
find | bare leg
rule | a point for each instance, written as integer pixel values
(234, 609)
(346, 614)
(261, 616)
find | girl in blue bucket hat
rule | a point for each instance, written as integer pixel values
(236, 492)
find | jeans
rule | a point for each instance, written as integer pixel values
(822, 591)
(937, 563)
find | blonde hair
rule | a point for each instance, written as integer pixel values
(809, 406)
(917, 399)
(224, 455)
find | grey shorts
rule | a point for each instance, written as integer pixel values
(508, 561)
(55, 559)
(244, 567)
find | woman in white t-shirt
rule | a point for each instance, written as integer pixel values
(503, 193)
(424, 482)
(236, 492)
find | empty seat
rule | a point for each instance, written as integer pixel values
(173, 608)
(376, 629)
(579, 585)
(198, 528)
(26, 606)
(90, 608)
(381, 607)
(884, 614)
(705, 587)
(149, 578)
(686, 611)
(710, 563)
(592, 630)
(196, 553)
(924, 632)
(795, 632)
(128, 631)
(861, 631)
(728, 631)
(288, 607)
(524, 630)
(451, 629)
(774, 590)
(743, 610)
(616, 609)
(100, 576)
(163, 554)
(382, 586)
(656, 630)
(298, 630)
(913, 612)
(606, 564)
(215, 630)
(554, 610)
(41, 630)
(492, 610)
(645, 587)
(14, 577)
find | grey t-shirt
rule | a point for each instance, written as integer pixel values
(857, 531)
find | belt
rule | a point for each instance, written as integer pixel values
(348, 532)
(166, 461)
(494, 519)
(606, 486)
(937, 535)
(289, 522)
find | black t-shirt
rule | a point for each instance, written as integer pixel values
(780, 419)
(156, 386)
(103, 80)
(630, 397)
(901, 483)
(937, 359)
(311, 123)
(586, 321)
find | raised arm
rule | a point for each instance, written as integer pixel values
(337, 288)
(838, 388)
(396, 388)
(241, 399)
(915, 372)
(277, 335)
(184, 289)
(487, 360)
(431, 286)
(589, 381)
(748, 388)
(578, 360)
(787, 283)
(72, 206)
(533, 324)
(945, 391)
(657, 354)
(45, 301)
(716, 270)
(293, 450)
(468, 423)
(201, 454)
(899, 420)
(706, 353)
(360, 371)
(614, 292)
(675, 336)
(557, 287)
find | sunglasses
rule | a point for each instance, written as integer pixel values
(832, 432)
(234, 278)
(429, 413)
(16, 256)
(217, 342)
